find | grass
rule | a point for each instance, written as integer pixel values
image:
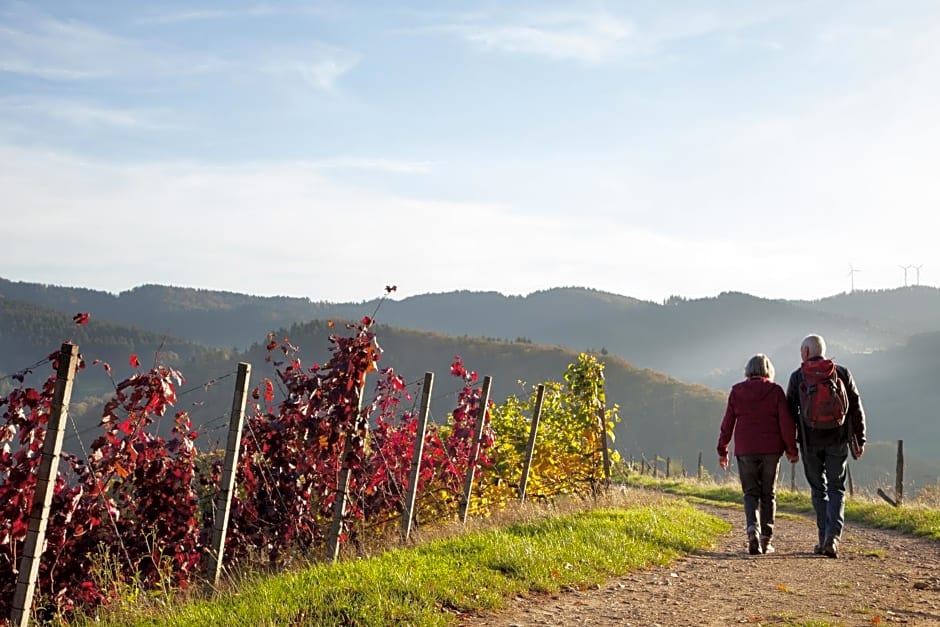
(916, 519)
(481, 566)
(437, 582)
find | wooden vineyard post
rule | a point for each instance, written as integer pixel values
(793, 477)
(45, 485)
(606, 453)
(342, 489)
(700, 472)
(530, 446)
(848, 476)
(475, 449)
(223, 501)
(899, 476)
(668, 463)
(417, 454)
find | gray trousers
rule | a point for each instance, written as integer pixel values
(759, 481)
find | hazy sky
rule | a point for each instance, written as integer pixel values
(327, 149)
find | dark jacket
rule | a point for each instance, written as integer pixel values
(854, 418)
(758, 416)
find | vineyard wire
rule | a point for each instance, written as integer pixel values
(213, 426)
(25, 371)
(104, 502)
(206, 385)
(78, 433)
(265, 471)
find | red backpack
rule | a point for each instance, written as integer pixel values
(823, 400)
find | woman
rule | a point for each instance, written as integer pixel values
(763, 428)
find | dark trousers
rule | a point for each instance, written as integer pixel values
(825, 468)
(759, 481)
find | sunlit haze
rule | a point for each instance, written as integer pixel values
(320, 149)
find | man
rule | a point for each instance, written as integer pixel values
(826, 447)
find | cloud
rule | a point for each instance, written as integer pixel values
(59, 50)
(597, 36)
(378, 165)
(206, 15)
(237, 13)
(317, 66)
(589, 38)
(85, 115)
(68, 50)
(288, 229)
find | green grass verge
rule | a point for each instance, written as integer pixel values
(435, 583)
(917, 520)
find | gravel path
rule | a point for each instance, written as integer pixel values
(880, 578)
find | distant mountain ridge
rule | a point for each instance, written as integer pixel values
(716, 334)
(689, 341)
(657, 409)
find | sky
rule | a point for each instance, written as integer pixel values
(784, 149)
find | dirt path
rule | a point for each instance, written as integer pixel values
(880, 578)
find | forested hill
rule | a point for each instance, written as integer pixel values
(28, 333)
(701, 340)
(224, 319)
(912, 309)
(660, 413)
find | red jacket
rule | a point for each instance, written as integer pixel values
(759, 418)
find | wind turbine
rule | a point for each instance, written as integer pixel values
(905, 268)
(851, 275)
(917, 270)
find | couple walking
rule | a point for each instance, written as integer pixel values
(821, 410)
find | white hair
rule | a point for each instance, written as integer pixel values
(815, 344)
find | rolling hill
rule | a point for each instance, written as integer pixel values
(698, 342)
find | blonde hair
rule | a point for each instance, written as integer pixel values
(759, 366)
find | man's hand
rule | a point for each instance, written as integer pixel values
(723, 461)
(793, 457)
(856, 449)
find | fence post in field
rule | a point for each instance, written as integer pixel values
(223, 499)
(417, 454)
(656, 467)
(700, 472)
(475, 449)
(899, 477)
(643, 464)
(848, 477)
(668, 462)
(45, 484)
(342, 488)
(606, 453)
(530, 446)
(793, 477)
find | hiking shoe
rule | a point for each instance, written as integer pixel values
(765, 546)
(829, 548)
(753, 545)
(817, 550)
